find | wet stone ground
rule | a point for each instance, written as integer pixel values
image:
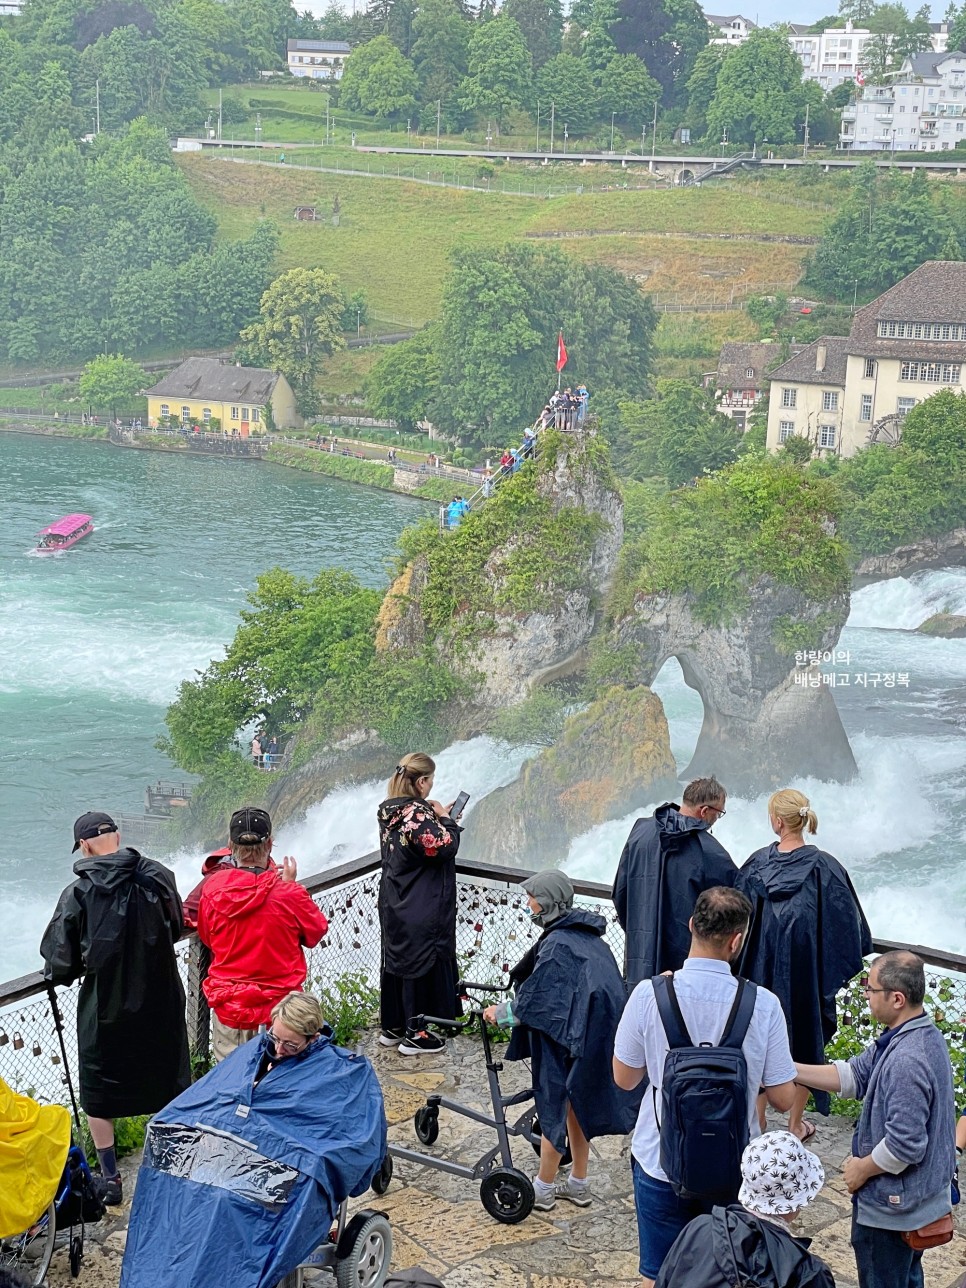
(439, 1223)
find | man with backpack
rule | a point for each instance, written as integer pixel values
(708, 1043)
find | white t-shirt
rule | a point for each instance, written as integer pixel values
(706, 991)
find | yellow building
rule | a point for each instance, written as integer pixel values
(202, 390)
(843, 392)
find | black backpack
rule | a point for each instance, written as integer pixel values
(704, 1099)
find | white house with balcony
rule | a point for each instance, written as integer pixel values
(843, 392)
(729, 29)
(922, 110)
(318, 59)
(830, 57)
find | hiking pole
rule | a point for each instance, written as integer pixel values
(59, 1026)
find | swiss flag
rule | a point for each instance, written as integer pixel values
(561, 352)
(860, 78)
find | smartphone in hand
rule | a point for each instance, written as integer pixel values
(459, 805)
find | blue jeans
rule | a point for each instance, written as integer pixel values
(884, 1259)
(661, 1216)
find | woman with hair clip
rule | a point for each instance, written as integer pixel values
(417, 907)
(808, 936)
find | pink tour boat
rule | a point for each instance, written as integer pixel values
(63, 534)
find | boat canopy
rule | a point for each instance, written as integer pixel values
(66, 526)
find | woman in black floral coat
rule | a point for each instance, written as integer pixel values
(417, 907)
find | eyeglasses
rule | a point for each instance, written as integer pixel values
(290, 1048)
(717, 809)
(864, 985)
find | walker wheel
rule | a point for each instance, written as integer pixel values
(76, 1255)
(426, 1122)
(507, 1195)
(380, 1182)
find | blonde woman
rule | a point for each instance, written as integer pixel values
(417, 907)
(808, 934)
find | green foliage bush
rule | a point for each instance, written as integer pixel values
(542, 554)
(536, 722)
(350, 1004)
(758, 517)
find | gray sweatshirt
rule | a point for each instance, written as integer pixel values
(908, 1125)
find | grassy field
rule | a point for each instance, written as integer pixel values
(394, 237)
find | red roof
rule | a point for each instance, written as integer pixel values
(65, 526)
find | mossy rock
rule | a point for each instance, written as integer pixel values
(947, 626)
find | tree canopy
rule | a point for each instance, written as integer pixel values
(677, 435)
(298, 328)
(109, 379)
(758, 94)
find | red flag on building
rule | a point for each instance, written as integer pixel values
(561, 352)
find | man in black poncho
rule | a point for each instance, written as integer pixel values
(116, 926)
(569, 1001)
(668, 860)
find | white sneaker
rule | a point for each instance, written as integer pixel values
(574, 1191)
(545, 1196)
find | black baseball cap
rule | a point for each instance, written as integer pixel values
(90, 825)
(249, 826)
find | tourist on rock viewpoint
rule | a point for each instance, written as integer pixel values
(568, 1002)
(257, 920)
(903, 1148)
(711, 1005)
(808, 935)
(116, 926)
(417, 907)
(667, 861)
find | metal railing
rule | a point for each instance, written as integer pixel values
(493, 931)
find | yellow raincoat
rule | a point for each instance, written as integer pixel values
(34, 1140)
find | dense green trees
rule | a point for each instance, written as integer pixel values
(103, 248)
(378, 79)
(109, 379)
(298, 327)
(758, 93)
(500, 70)
(404, 383)
(502, 309)
(889, 225)
(676, 435)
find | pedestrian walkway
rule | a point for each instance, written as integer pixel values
(439, 1223)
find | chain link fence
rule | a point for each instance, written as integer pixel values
(493, 931)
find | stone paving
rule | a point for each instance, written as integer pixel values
(439, 1223)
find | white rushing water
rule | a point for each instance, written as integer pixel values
(93, 653)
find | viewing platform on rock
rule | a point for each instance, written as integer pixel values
(438, 1221)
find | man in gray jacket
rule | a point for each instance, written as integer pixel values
(903, 1149)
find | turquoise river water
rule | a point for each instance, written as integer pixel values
(94, 642)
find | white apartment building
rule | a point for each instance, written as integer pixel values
(318, 59)
(923, 110)
(729, 29)
(834, 56)
(843, 392)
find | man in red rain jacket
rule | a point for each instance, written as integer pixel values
(257, 920)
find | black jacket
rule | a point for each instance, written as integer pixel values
(733, 1246)
(808, 937)
(568, 1007)
(116, 926)
(668, 861)
(417, 894)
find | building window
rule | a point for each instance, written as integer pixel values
(904, 406)
(185, 415)
(165, 410)
(244, 413)
(826, 436)
(256, 415)
(234, 413)
(830, 400)
(870, 368)
(789, 397)
(786, 428)
(946, 373)
(866, 411)
(749, 373)
(206, 414)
